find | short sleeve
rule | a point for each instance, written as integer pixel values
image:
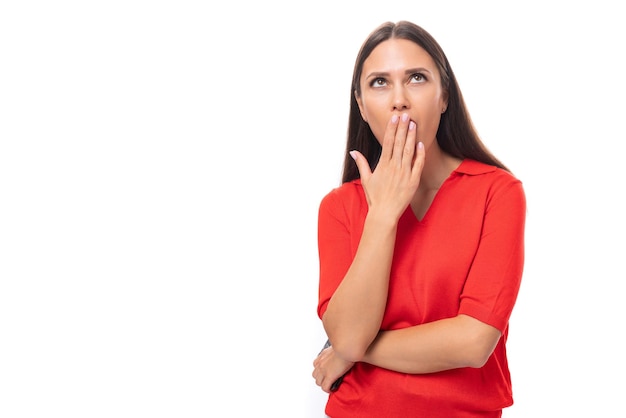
(494, 279)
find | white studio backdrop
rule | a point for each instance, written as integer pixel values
(161, 164)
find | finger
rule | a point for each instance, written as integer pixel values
(320, 381)
(400, 138)
(316, 374)
(389, 138)
(418, 163)
(409, 146)
(325, 386)
(362, 164)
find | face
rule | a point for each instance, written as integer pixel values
(400, 77)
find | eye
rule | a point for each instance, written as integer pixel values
(417, 78)
(378, 82)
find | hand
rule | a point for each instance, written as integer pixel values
(395, 179)
(328, 367)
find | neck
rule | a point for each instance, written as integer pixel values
(437, 168)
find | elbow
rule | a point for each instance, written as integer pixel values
(478, 358)
(477, 343)
(348, 346)
(477, 353)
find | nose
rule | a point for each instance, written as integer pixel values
(399, 98)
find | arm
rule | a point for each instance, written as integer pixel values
(446, 344)
(441, 345)
(354, 313)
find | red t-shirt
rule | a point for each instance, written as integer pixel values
(465, 256)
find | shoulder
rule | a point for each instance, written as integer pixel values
(484, 173)
(492, 181)
(345, 198)
(347, 191)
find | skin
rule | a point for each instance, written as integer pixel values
(402, 101)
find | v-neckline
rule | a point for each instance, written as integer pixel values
(426, 210)
(434, 199)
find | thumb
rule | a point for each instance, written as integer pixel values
(361, 164)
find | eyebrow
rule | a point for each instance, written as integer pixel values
(377, 74)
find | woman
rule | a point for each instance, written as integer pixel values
(421, 248)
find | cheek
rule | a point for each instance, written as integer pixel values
(378, 127)
(428, 126)
(377, 121)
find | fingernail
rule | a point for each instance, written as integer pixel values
(394, 118)
(420, 145)
(353, 155)
(405, 117)
(411, 125)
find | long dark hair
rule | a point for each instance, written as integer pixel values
(456, 134)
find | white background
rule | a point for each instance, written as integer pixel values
(161, 164)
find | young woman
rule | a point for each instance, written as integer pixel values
(421, 247)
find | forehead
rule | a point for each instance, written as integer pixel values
(398, 55)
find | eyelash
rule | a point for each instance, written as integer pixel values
(421, 78)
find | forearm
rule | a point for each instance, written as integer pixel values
(355, 311)
(446, 344)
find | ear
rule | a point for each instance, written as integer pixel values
(360, 103)
(444, 100)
